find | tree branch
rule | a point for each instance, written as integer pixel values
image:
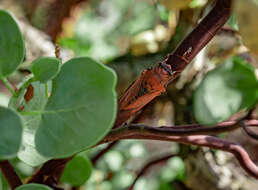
(10, 174)
(152, 133)
(138, 130)
(148, 166)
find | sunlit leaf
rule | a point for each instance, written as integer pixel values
(247, 12)
(33, 186)
(225, 91)
(10, 133)
(12, 49)
(80, 110)
(77, 171)
(45, 68)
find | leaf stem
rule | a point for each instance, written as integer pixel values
(8, 86)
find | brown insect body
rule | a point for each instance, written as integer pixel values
(150, 84)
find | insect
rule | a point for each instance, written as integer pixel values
(149, 85)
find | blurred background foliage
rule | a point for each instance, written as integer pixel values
(129, 36)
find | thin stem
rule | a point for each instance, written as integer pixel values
(8, 86)
(148, 166)
(10, 174)
(96, 158)
(198, 140)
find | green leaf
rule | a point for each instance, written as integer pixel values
(28, 152)
(33, 186)
(10, 133)
(225, 91)
(45, 68)
(12, 49)
(77, 171)
(80, 111)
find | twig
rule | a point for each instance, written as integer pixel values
(198, 140)
(96, 158)
(153, 81)
(135, 130)
(248, 132)
(148, 166)
(10, 174)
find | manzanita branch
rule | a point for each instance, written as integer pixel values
(151, 133)
(10, 174)
(148, 166)
(153, 81)
(138, 130)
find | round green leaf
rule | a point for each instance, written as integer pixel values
(33, 186)
(225, 91)
(80, 111)
(77, 171)
(45, 68)
(12, 49)
(10, 133)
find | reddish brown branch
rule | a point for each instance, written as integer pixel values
(132, 130)
(152, 82)
(150, 164)
(10, 174)
(198, 140)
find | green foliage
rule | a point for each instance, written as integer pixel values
(97, 35)
(80, 110)
(12, 49)
(77, 171)
(225, 91)
(10, 133)
(33, 187)
(45, 68)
